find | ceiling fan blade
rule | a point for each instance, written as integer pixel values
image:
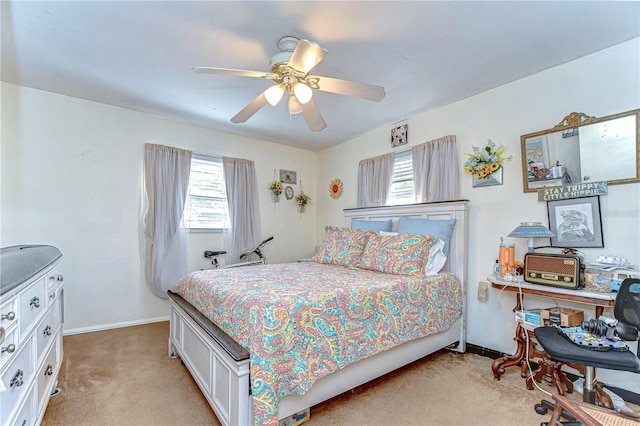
(306, 56)
(350, 88)
(250, 109)
(227, 71)
(313, 117)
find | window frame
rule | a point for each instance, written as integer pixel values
(402, 172)
(186, 222)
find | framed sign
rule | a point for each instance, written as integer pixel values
(576, 222)
(399, 135)
(288, 176)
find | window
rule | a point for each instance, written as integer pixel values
(206, 204)
(402, 180)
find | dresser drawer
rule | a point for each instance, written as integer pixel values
(9, 347)
(27, 414)
(47, 331)
(32, 305)
(47, 375)
(9, 313)
(16, 379)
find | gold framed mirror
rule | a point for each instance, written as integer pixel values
(583, 149)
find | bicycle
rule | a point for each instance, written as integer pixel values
(248, 254)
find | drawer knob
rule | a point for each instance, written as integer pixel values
(47, 331)
(9, 349)
(35, 302)
(16, 380)
(10, 316)
(52, 295)
(49, 370)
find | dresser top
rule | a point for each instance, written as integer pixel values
(18, 264)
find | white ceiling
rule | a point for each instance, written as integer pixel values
(427, 54)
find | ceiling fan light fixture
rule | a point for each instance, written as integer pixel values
(274, 94)
(303, 93)
(295, 107)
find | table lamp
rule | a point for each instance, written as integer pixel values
(531, 230)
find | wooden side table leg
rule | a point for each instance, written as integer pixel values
(498, 365)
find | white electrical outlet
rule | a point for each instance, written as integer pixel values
(483, 291)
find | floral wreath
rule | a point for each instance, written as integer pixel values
(335, 188)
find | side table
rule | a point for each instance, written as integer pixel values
(597, 300)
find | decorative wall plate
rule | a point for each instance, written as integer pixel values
(288, 192)
(335, 188)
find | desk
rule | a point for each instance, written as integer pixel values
(592, 298)
(598, 300)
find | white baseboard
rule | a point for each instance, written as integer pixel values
(113, 325)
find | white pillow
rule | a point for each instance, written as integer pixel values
(388, 233)
(436, 259)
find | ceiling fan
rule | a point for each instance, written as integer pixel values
(289, 69)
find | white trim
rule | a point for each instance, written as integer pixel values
(114, 325)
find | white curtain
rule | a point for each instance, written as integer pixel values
(244, 208)
(435, 170)
(166, 181)
(374, 180)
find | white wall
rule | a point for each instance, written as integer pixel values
(601, 84)
(72, 177)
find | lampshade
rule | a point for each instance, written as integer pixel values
(274, 94)
(531, 230)
(303, 92)
(294, 106)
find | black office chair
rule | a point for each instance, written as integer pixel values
(627, 311)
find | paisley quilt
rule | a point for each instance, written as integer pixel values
(302, 321)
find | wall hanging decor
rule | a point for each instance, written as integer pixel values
(485, 164)
(276, 188)
(335, 188)
(399, 135)
(575, 222)
(288, 176)
(302, 199)
(288, 192)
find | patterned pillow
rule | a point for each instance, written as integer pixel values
(403, 254)
(341, 246)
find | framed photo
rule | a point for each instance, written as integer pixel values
(576, 222)
(399, 135)
(288, 176)
(288, 192)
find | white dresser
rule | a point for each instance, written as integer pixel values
(31, 312)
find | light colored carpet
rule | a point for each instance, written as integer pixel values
(124, 377)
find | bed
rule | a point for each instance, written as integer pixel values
(295, 358)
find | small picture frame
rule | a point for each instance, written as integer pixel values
(399, 135)
(288, 176)
(576, 222)
(288, 192)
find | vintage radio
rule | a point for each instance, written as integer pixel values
(557, 270)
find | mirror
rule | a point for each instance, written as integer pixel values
(583, 149)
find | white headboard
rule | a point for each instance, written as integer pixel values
(457, 258)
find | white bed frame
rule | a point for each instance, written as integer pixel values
(224, 380)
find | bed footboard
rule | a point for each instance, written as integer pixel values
(219, 365)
